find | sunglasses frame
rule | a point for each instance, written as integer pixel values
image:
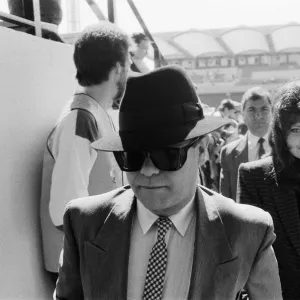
(181, 157)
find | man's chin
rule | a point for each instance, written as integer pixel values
(148, 192)
(260, 131)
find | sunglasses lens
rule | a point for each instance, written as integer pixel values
(129, 161)
(166, 159)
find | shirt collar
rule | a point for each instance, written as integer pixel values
(253, 139)
(181, 220)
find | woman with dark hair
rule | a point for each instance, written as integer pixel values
(273, 183)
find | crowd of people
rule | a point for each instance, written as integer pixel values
(211, 204)
(237, 142)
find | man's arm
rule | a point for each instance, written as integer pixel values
(74, 161)
(225, 188)
(69, 286)
(264, 282)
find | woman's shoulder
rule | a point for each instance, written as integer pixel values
(260, 173)
(264, 165)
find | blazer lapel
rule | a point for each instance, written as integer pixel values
(107, 256)
(242, 151)
(211, 249)
(286, 205)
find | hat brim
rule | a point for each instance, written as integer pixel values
(113, 141)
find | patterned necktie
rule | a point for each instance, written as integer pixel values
(261, 150)
(157, 263)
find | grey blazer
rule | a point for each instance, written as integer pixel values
(232, 249)
(232, 155)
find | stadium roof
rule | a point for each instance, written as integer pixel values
(229, 41)
(286, 38)
(199, 44)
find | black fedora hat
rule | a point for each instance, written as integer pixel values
(159, 109)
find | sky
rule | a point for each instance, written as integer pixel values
(175, 15)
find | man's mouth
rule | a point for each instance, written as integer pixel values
(151, 187)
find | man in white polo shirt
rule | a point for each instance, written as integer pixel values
(71, 167)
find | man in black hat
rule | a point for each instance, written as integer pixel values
(164, 236)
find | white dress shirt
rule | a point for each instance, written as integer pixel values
(141, 65)
(253, 146)
(180, 244)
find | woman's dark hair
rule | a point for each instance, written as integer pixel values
(97, 51)
(286, 112)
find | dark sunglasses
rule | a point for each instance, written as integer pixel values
(165, 159)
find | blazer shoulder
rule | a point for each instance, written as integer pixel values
(93, 209)
(263, 165)
(235, 213)
(87, 215)
(244, 226)
(88, 204)
(233, 145)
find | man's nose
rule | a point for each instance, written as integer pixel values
(258, 115)
(148, 169)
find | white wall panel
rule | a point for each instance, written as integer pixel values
(36, 80)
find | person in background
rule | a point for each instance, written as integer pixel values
(164, 236)
(229, 133)
(257, 109)
(71, 167)
(139, 53)
(242, 128)
(230, 109)
(273, 184)
(209, 169)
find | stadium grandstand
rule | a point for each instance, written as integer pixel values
(225, 62)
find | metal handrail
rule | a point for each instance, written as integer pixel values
(37, 17)
(96, 9)
(38, 25)
(22, 21)
(158, 57)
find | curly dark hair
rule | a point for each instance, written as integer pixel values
(97, 51)
(286, 112)
(138, 37)
(226, 103)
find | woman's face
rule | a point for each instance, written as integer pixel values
(293, 140)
